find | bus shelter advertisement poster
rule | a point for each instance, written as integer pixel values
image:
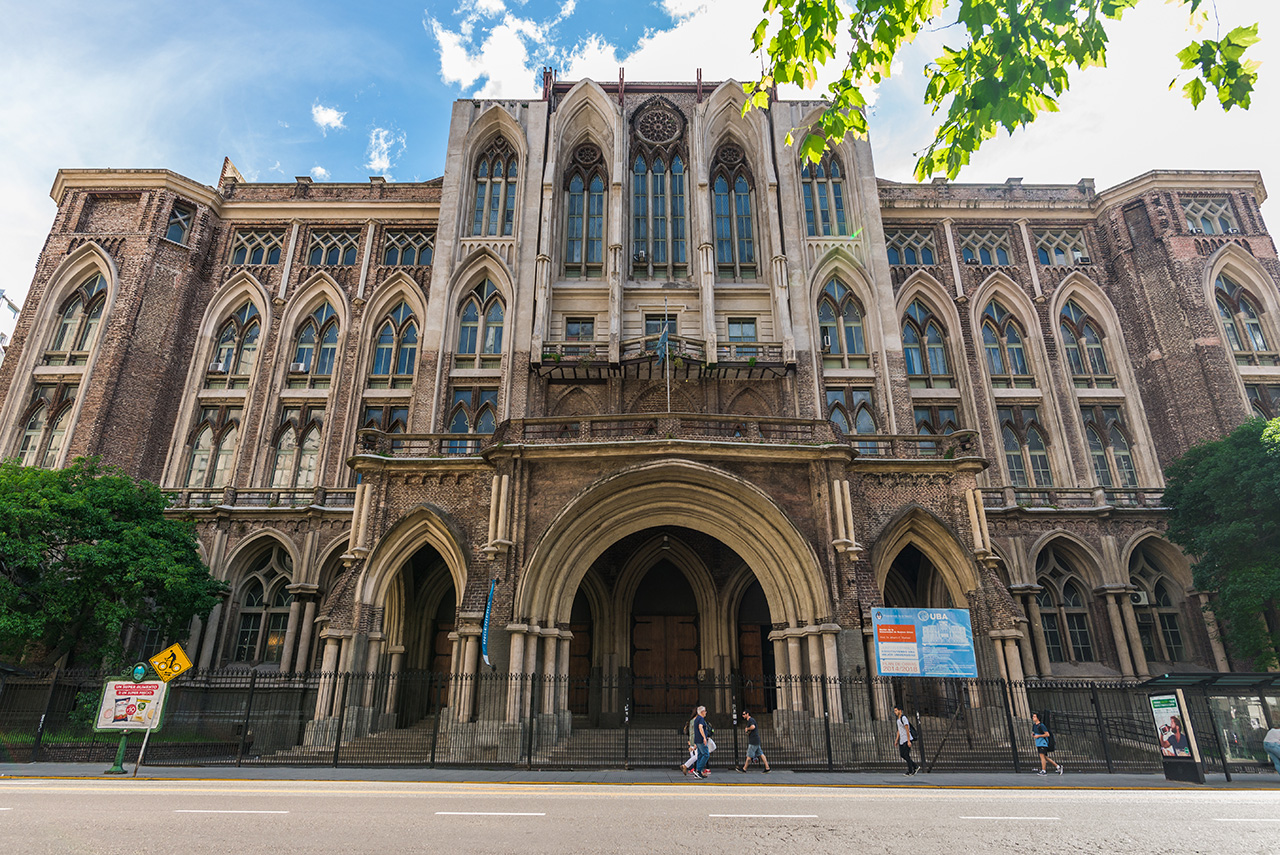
(924, 643)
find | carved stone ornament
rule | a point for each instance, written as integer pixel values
(586, 154)
(729, 154)
(659, 125)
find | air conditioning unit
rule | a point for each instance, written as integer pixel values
(826, 344)
(1140, 598)
(640, 256)
(297, 368)
(971, 261)
(1084, 259)
(1233, 231)
(219, 367)
(1197, 231)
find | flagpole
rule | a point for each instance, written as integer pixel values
(666, 362)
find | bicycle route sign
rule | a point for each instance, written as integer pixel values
(170, 662)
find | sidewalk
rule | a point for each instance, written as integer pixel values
(998, 780)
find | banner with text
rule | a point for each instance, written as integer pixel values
(924, 643)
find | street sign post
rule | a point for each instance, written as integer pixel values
(130, 704)
(170, 662)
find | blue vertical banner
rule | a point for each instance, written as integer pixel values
(924, 643)
(484, 633)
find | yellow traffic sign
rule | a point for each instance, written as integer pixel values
(170, 662)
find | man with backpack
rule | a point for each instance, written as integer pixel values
(1044, 744)
(906, 736)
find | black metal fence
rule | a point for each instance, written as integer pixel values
(435, 720)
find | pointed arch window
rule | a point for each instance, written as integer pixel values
(213, 447)
(850, 408)
(1210, 216)
(1157, 604)
(236, 353)
(731, 198)
(840, 324)
(1064, 610)
(1002, 342)
(1086, 356)
(408, 249)
(480, 325)
(297, 448)
(47, 419)
(822, 185)
(925, 347)
(1108, 441)
(1026, 453)
(315, 350)
(264, 610)
(395, 351)
(78, 321)
(1264, 400)
(1242, 323)
(658, 238)
(585, 186)
(472, 410)
(495, 175)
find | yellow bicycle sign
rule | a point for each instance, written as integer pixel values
(170, 662)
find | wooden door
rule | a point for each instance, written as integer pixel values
(579, 667)
(751, 666)
(441, 649)
(665, 663)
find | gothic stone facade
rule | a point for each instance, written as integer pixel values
(691, 406)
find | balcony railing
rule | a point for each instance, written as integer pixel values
(235, 497)
(995, 498)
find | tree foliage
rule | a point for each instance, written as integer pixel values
(85, 552)
(1224, 500)
(1015, 60)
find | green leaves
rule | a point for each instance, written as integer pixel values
(1015, 62)
(84, 553)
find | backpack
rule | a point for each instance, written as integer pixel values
(1053, 743)
(911, 728)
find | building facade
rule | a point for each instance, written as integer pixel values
(689, 406)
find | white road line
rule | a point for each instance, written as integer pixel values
(1011, 817)
(1243, 819)
(764, 815)
(482, 813)
(230, 811)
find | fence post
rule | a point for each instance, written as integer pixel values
(1102, 730)
(915, 706)
(342, 715)
(627, 701)
(435, 728)
(733, 709)
(533, 712)
(826, 723)
(48, 702)
(1008, 719)
(244, 725)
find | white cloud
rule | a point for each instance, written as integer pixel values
(491, 7)
(319, 173)
(385, 147)
(327, 118)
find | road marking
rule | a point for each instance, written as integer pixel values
(764, 815)
(482, 813)
(230, 811)
(1243, 819)
(1011, 817)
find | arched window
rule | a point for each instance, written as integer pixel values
(1242, 323)
(850, 409)
(315, 350)
(480, 324)
(1108, 442)
(78, 321)
(213, 449)
(1082, 341)
(264, 610)
(731, 208)
(585, 183)
(822, 185)
(495, 201)
(1064, 610)
(472, 410)
(1002, 343)
(236, 353)
(395, 355)
(1026, 455)
(843, 339)
(297, 448)
(925, 347)
(47, 419)
(1157, 603)
(659, 243)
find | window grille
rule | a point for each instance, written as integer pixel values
(909, 247)
(257, 247)
(333, 248)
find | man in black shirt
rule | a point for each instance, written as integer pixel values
(753, 743)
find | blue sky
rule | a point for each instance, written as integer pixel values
(341, 91)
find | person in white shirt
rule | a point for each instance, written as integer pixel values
(904, 740)
(1271, 745)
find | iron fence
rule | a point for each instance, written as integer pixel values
(426, 719)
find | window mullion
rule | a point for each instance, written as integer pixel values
(733, 233)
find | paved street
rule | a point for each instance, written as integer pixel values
(152, 816)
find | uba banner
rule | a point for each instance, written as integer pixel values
(924, 643)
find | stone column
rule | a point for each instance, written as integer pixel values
(832, 661)
(193, 637)
(1135, 640)
(782, 672)
(455, 668)
(817, 668)
(793, 660)
(1215, 634)
(550, 642)
(1037, 636)
(393, 680)
(329, 669)
(515, 667)
(471, 657)
(210, 636)
(530, 667)
(290, 635)
(303, 662)
(1024, 647)
(562, 671)
(373, 654)
(1117, 633)
(880, 701)
(1017, 683)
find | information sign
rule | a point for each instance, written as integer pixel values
(127, 705)
(170, 662)
(1171, 730)
(924, 643)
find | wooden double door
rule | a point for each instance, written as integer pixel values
(664, 662)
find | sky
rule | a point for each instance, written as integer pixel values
(341, 91)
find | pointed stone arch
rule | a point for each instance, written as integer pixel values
(481, 264)
(1173, 561)
(749, 402)
(1245, 270)
(916, 526)
(585, 114)
(235, 561)
(643, 559)
(1085, 560)
(425, 525)
(654, 400)
(494, 120)
(307, 297)
(577, 401)
(723, 122)
(674, 493)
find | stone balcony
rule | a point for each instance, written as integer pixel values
(326, 498)
(690, 358)
(1071, 498)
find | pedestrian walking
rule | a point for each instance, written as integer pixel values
(1044, 744)
(754, 749)
(686, 767)
(701, 738)
(1271, 745)
(905, 740)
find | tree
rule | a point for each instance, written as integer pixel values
(85, 552)
(1015, 61)
(1224, 501)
